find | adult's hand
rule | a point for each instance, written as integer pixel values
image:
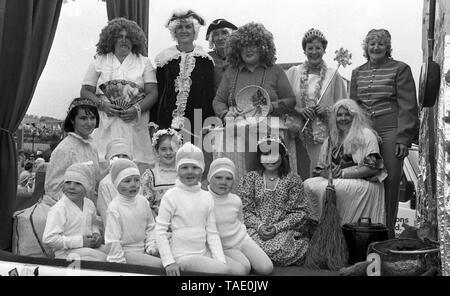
(129, 114)
(307, 113)
(173, 270)
(336, 172)
(401, 150)
(110, 109)
(321, 110)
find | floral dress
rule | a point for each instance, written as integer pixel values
(286, 207)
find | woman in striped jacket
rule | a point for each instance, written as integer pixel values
(385, 89)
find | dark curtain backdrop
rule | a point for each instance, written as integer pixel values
(135, 10)
(27, 29)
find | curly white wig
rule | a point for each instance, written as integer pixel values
(183, 15)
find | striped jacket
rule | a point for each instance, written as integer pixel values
(388, 88)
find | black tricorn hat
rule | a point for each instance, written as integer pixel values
(219, 24)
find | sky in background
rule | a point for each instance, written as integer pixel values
(344, 23)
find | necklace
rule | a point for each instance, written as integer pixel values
(309, 135)
(271, 178)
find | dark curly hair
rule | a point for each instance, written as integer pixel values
(110, 34)
(251, 34)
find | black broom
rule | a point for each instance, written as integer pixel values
(328, 249)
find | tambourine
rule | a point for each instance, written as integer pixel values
(253, 103)
(122, 93)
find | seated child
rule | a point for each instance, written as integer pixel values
(129, 224)
(156, 181)
(236, 243)
(116, 148)
(189, 212)
(72, 224)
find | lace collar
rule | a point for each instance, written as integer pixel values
(172, 53)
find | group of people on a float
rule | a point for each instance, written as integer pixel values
(126, 187)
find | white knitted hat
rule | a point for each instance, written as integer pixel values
(117, 146)
(189, 153)
(221, 165)
(81, 173)
(122, 168)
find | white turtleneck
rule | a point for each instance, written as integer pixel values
(129, 228)
(229, 219)
(189, 212)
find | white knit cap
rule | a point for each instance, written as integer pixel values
(122, 168)
(81, 173)
(221, 165)
(117, 146)
(189, 153)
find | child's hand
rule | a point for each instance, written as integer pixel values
(88, 241)
(270, 231)
(173, 270)
(152, 250)
(98, 240)
(266, 232)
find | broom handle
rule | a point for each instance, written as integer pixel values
(330, 171)
(321, 96)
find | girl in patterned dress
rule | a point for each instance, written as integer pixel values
(156, 181)
(276, 208)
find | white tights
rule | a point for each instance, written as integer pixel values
(143, 259)
(85, 254)
(250, 255)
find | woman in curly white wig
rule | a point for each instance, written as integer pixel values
(185, 74)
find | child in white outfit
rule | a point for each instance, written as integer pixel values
(156, 181)
(189, 212)
(72, 224)
(116, 148)
(236, 243)
(129, 224)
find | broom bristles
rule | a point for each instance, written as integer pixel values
(328, 248)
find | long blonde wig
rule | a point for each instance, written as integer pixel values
(355, 136)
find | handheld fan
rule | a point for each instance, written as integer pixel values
(122, 93)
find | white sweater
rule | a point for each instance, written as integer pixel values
(229, 219)
(67, 224)
(129, 227)
(189, 212)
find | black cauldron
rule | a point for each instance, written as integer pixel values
(359, 235)
(405, 256)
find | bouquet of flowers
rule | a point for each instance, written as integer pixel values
(122, 93)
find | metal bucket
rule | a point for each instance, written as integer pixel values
(405, 257)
